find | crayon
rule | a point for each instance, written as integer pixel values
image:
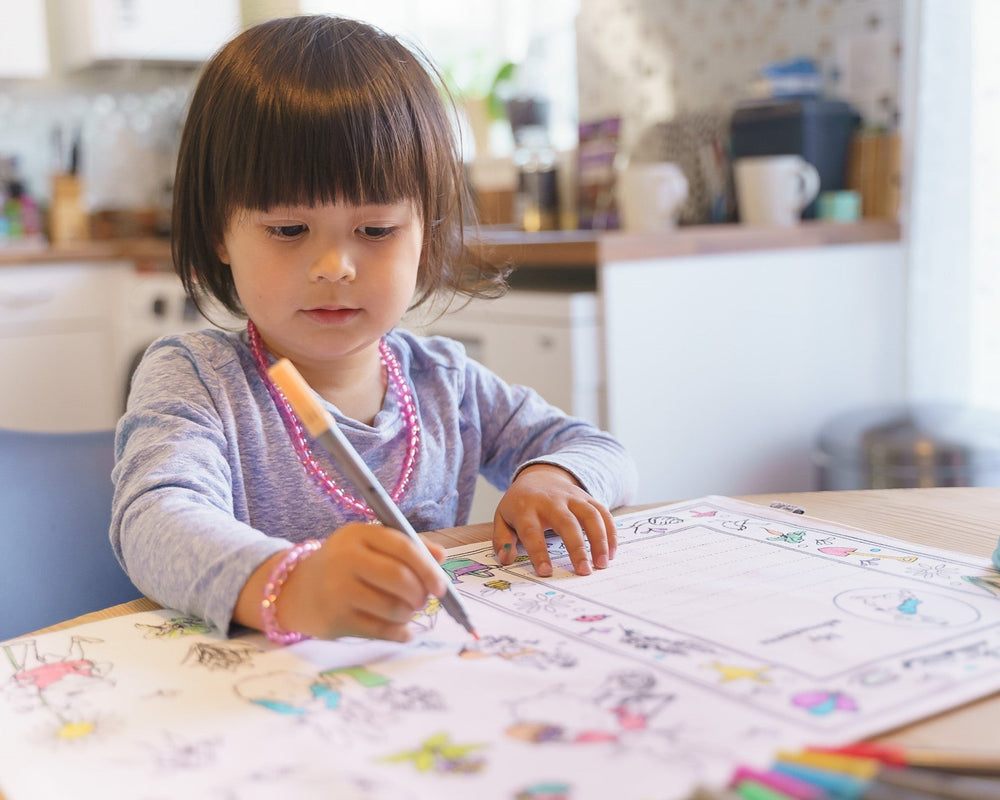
(847, 764)
(752, 790)
(709, 793)
(786, 784)
(986, 762)
(836, 784)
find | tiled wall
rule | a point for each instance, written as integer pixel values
(128, 120)
(649, 60)
(643, 60)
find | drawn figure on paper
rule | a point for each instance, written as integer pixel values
(905, 607)
(930, 571)
(517, 651)
(356, 700)
(735, 672)
(632, 697)
(867, 558)
(546, 790)
(427, 617)
(792, 537)
(174, 628)
(457, 567)
(656, 524)
(438, 754)
(970, 653)
(228, 656)
(696, 513)
(990, 583)
(622, 708)
(498, 585)
(56, 683)
(173, 754)
(663, 646)
(736, 524)
(822, 703)
(548, 602)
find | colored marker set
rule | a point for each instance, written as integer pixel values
(866, 771)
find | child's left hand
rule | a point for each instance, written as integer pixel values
(544, 497)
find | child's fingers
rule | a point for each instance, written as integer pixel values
(531, 535)
(599, 526)
(571, 531)
(407, 571)
(504, 541)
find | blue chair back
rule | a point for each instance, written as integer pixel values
(55, 511)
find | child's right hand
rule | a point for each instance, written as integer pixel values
(365, 580)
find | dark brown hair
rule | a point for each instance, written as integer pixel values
(320, 109)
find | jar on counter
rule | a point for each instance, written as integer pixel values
(536, 203)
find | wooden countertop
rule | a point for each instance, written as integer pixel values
(546, 248)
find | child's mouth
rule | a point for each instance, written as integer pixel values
(331, 316)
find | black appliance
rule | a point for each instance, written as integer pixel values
(818, 130)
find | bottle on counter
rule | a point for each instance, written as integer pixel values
(536, 201)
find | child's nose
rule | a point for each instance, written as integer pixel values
(333, 264)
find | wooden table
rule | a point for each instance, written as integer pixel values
(966, 520)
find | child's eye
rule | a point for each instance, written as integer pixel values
(376, 231)
(286, 231)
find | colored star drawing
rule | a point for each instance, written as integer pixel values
(728, 672)
(438, 754)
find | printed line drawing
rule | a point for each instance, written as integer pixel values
(720, 631)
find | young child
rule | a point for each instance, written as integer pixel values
(320, 193)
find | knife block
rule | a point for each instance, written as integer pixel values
(67, 218)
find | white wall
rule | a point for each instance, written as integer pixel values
(721, 370)
(952, 121)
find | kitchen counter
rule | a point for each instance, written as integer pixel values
(720, 350)
(545, 249)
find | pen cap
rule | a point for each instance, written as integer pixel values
(302, 398)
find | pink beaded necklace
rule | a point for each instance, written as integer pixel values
(401, 390)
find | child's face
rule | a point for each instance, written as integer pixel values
(323, 283)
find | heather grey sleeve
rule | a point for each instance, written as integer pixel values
(176, 523)
(520, 428)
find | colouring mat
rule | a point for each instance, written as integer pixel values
(722, 632)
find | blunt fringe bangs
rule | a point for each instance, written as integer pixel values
(312, 110)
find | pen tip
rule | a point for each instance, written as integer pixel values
(474, 635)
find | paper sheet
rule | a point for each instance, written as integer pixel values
(722, 632)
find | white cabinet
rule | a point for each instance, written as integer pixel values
(178, 31)
(56, 345)
(547, 340)
(721, 369)
(24, 44)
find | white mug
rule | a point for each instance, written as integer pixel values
(650, 195)
(773, 190)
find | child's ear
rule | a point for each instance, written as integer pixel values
(222, 252)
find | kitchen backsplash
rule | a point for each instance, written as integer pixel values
(127, 121)
(645, 61)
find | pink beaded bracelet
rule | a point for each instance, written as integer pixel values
(279, 574)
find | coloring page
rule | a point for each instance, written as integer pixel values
(722, 632)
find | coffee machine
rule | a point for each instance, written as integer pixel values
(817, 129)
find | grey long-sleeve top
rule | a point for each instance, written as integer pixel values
(208, 485)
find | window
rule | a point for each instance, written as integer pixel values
(469, 45)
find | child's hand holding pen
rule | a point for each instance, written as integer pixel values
(544, 497)
(366, 580)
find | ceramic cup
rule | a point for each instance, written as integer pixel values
(650, 195)
(839, 206)
(773, 190)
